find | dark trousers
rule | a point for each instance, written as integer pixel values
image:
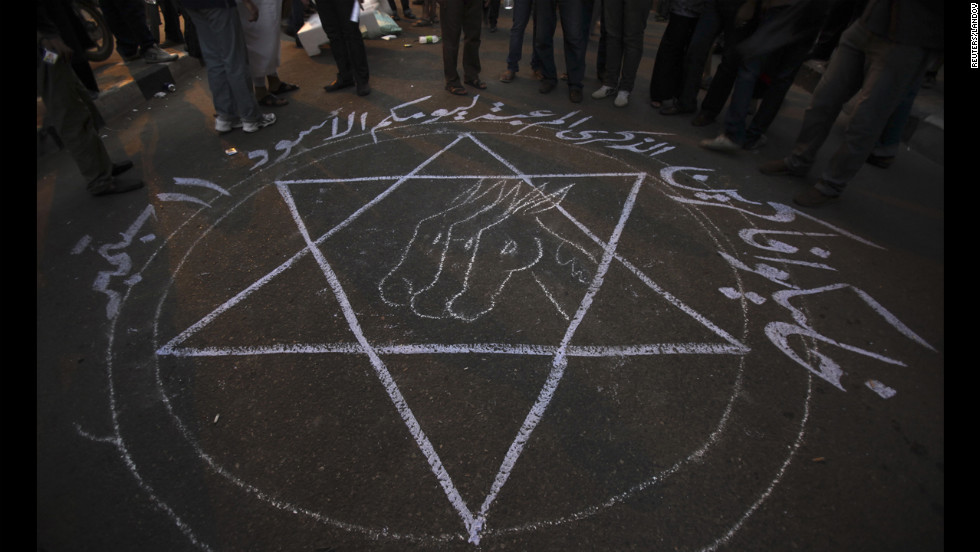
(127, 21)
(625, 22)
(666, 80)
(571, 13)
(718, 17)
(346, 43)
(73, 115)
(781, 66)
(591, 10)
(461, 20)
(491, 12)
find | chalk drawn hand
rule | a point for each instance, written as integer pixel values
(459, 260)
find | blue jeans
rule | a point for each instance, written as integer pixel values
(547, 12)
(522, 15)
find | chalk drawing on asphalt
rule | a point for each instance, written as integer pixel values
(586, 254)
(499, 216)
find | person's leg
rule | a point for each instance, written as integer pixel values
(544, 34)
(296, 19)
(223, 46)
(887, 145)
(574, 43)
(781, 66)
(346, 43)
(724, 78)
(602, 48)
(840, 81)
(665, 81)
(451, 15)
(69, 110)
(738, 108)
(114, 12)
(705, 32)
(472, 26)
(171, 22)
(613, 15)
(890, 70)
(493, 13)
(636, 14)
(522, 15)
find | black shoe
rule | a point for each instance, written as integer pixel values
(117, 186)
(812, 197)
(880, 161)
(547, 86)
(575, 95)
(703, 118)
(363, 89)
(779, 167)
(337, 85)
(121, 167)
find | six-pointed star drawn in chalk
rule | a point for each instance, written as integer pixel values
(473, 520)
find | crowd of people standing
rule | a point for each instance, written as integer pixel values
(883, 50)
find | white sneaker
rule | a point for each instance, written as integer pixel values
(622, 99)
(226, 125)
(264, 120)
(603, 92)
(720, 143)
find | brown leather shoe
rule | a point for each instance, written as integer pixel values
(508, 76)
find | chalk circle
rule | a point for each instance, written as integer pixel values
(261, 397)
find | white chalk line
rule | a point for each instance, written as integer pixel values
(130, 464)
(547, 293)
(504, 176)
(370, 532)
(695, 456)
(585, 351)
(171, 345)
(640, 176)
(375, 534)
(421, 440)
(793, 448)
(258, 284)
(783, 297)
(809, 264)
(119, 443)
(560, 361)
(474, 525)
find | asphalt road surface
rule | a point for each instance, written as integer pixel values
(416, 321)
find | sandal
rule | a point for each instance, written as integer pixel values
(285, 87)
(476, 83)
(271, 100)
(456, 89)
